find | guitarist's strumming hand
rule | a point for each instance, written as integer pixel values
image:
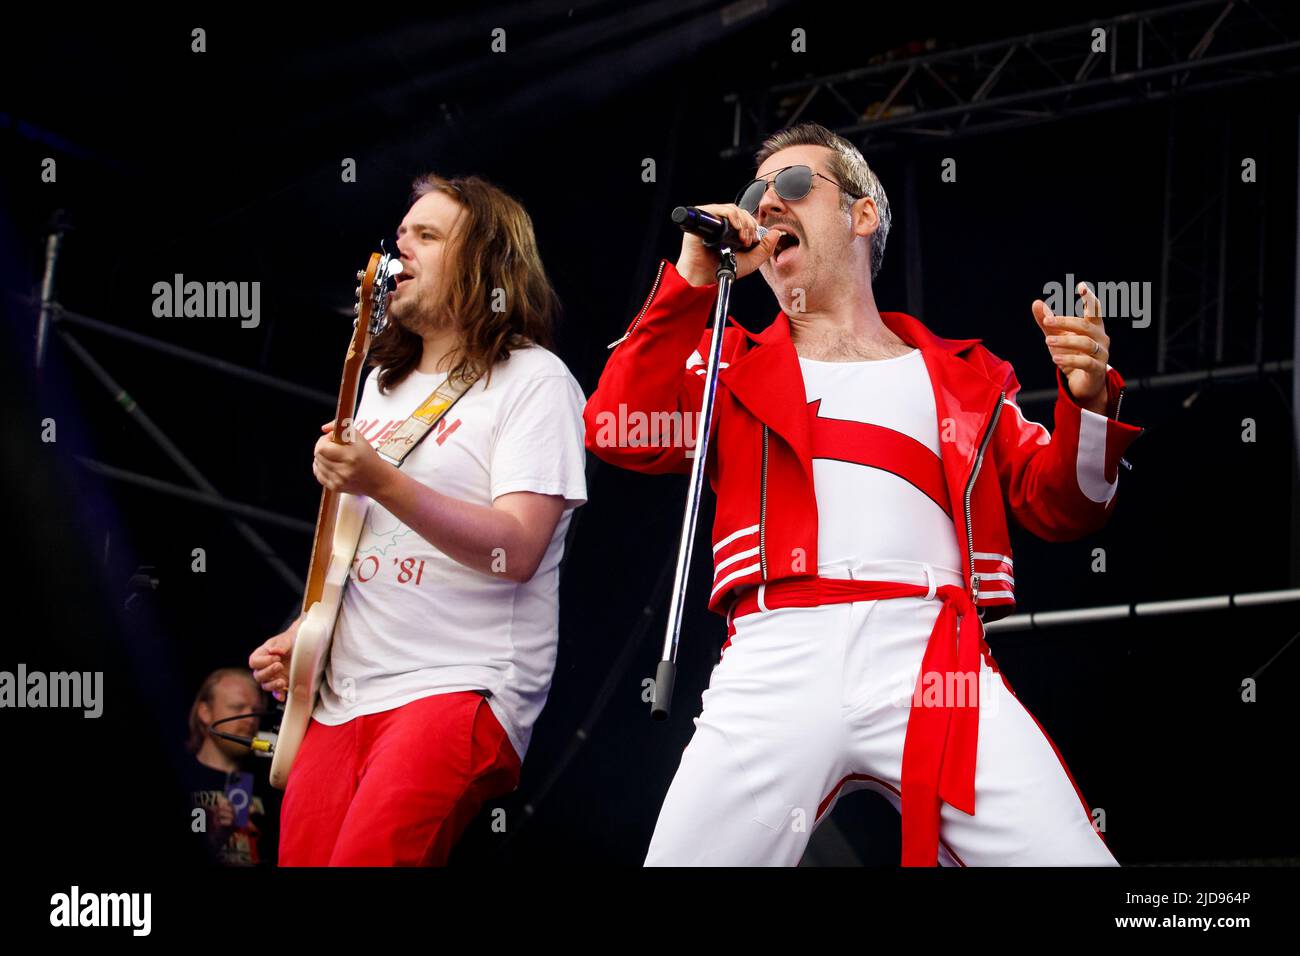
(270, 662)
(353, 468)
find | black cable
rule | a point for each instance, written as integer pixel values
(252, 743)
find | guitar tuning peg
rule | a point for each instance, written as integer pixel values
(360, 275)
(356, 309)
(357, 293)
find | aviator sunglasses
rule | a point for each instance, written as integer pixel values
(791, 183)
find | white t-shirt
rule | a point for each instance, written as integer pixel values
(870, 517)
(414, 622)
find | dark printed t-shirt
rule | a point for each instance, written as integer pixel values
(253, 840)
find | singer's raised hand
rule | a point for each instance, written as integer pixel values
(698, 265)
(1080, 347)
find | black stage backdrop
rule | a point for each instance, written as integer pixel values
(226, 165)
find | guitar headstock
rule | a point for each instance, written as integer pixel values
(371, 308)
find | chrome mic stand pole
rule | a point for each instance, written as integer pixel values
(666, 672)
(52, 245)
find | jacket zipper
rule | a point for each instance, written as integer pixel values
(762, 513)
(653, 289)
(970, 485)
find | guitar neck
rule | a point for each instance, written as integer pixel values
(327, 516)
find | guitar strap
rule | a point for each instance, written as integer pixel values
(421, 421)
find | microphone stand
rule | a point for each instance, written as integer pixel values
(666, 672)
(52, 245)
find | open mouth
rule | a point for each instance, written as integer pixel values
(787, 242)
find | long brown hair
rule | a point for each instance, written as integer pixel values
(495, 250)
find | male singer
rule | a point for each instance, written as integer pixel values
(864, 468)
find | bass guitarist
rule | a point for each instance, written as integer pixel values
(445, 641)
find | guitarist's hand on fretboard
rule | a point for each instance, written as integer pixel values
(353, 468)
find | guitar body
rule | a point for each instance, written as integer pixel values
(338, 529)
(311, 646)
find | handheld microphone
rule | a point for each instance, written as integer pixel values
(714, 231)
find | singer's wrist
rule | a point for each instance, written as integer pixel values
(694, 273)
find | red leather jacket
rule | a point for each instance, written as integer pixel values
(1059, 486)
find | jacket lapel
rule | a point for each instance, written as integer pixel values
(767, 380)
(963, 395)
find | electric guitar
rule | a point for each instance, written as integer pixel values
(338, 529)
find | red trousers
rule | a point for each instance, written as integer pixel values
(396, 788)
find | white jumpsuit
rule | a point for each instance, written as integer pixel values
(808, 703)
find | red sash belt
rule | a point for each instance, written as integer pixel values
(939, 745)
